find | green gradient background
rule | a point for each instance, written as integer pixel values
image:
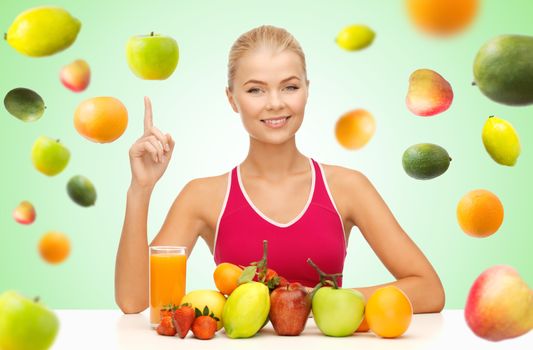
(192, 106)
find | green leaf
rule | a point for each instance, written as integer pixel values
(206, 311)
(197, 312)
(247, 275)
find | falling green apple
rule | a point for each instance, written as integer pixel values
(25, 324)
(49, 156)
(152, 57)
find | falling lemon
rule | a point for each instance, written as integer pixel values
(43, 31)
(355, 37)
(501, 141)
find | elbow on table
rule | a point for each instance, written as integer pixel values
(439, 298)
(130, 306)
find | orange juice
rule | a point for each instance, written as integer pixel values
(168, 267)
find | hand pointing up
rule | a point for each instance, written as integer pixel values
(150, 154)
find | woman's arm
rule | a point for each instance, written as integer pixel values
(182, 226)
(405, 261)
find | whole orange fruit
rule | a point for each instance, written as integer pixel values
(442, 17)
(54, 247)
(355, 128)
(226, 276)
(101, 119)
(388, 312)
(480, 213)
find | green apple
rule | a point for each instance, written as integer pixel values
(338, 312)
(152, 57)
(25, 324)
(49, 156)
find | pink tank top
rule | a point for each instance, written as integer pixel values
(316, 233)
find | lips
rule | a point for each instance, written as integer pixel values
(279, 121)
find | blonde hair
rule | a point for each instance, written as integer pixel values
(266, 36)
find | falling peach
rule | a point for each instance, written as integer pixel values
(429, 93)
(76, 75)
(24, 213)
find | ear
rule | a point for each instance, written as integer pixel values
(307, 82)
(231, 100)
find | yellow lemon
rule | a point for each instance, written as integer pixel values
(355, 37)
(501, 141)
(43, 31)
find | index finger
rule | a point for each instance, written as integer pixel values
(148, 120)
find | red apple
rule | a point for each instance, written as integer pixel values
(24, 213)
(76, 75)
(289, 309)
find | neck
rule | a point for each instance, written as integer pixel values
(274, 161)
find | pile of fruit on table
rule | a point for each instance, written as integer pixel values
(249, 297)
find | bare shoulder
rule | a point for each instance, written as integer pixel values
(205, 190)
(344, 179)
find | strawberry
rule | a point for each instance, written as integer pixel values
(167, 310)
(166, 327)
(205, 324)
(283, 282)
(183, 319)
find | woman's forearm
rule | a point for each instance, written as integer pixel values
(131, 268)
(426, 295)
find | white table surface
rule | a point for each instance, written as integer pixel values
(110, 329)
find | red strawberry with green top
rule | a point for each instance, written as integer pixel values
(204, 325)
(183, 319)
(166, 327)
(167, 310)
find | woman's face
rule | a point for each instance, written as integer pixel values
(270, 92)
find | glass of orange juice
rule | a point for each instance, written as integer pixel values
(168, 265)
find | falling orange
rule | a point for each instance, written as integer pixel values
(480, 213)
(442, 17)
(54, 247)
(101, 119)
(355, 128)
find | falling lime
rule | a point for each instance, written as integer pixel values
(25, 104)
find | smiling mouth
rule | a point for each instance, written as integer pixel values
(275, 121)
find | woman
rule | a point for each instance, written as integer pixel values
(303, 208)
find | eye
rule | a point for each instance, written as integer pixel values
(253, 90)
(292, 88)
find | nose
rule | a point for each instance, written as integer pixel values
(274, 101)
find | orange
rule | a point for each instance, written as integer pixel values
(355, 128)
(389, 312)
(480, 213)
(442, 17)
(101, 119)
(54, 247)
(226, 276)
(363, 327)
